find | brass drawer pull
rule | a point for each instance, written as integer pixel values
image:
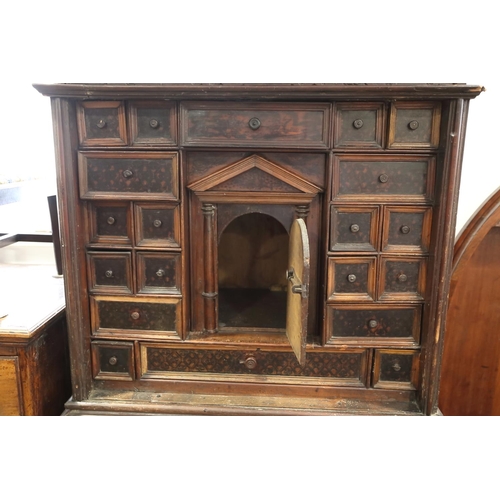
(135, 315)
(402, 278)
(113, 360)
(111, 220)
(383, 178)
(373, 323)
(127, 174)
(357, 124)
(250, 362)
(396, 366)
(354, 228)
(154, 123)
(351, 278)
(101, 123)
(160, 273)
(405, 229)
(254, 123)
(109, 274)
(413, 125)
(157, 223)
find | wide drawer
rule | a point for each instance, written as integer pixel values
(128, 175)
(291, 125)
(343, 367)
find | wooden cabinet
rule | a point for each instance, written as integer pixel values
(257, 249)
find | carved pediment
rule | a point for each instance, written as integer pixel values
(254, 174)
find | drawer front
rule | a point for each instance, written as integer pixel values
(113, 360)
(157, 225)
(351, 278)
(373, 325)
(159, 273)
(110, 272)
(414, 125)
(402, 278)
(344, 367)
(152, 123)
(110, 223)
(359, 125)
(11, 403)
(102, 123)
(127, 175)
(291, 125)
(406, 229)
(382, 178)
(395, 369)
(122, 317)
(354, 229)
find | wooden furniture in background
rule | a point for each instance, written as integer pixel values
(470, 382)
(176, 205)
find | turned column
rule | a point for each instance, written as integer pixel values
(210, 287)
(301, 212)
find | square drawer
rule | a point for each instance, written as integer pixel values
(110, 223)
(159, 273)
(113, 360)
(406, 229)
(130, 317)
(351, 279)
(101, 123)
(128, 175)
(291, 125)
(152, 123)
(376, 324)
(395, 369)
(383, 178)
(157, 225)
(402, 278)
(414, 125)
(354, 229)
(110, 272)
(359, 125)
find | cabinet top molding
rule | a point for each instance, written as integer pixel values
(276, 91)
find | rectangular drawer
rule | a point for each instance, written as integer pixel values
(110, 223)
(340, 367)
(375, 324)
(152, 123)
(395, 369)
(128, 175)
(383, 178)
(113, 360)
(101, 123)
(351, 278)
(402, 278)
(130, 317)
(110, 272)
(157, 225)
(291, 125)
(159, 273)
(354, 229)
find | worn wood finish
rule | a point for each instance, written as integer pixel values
(371, 172)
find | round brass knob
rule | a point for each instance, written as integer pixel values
(250, 362)
(154, 123)
(396, 366)
(127, 174)
(373, 323)
(109, 274)
(357, 124)
(111, 220)
(405, 229)
(351, 278)
(135, 315)
(354, 228)
(383, 178)
(101, 123)
(160, 273)
(413, 125)
(402, 278)
(157, 223)
(254, 123)
(113, 360)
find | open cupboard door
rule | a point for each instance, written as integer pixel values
(298, 289)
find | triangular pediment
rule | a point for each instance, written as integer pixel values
(256, 174)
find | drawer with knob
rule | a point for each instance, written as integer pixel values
(351, 279)
(158, 273)
(110, 223)
(128, 175)
(383, 178)
(113, 360)
(395, 369)
(110, 272)
(152, 123)
(251, 124)
(134, 317)
(402, 278)
(376, 324)
(157, 225)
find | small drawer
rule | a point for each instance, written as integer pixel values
(333, 367)
(359, 125)
(414, 125)
(110, 223)
(152, 123)
(354, 229)
(351, 279)
(383, 178)
(402, 278)
(406, 229)
(395, 369)
(128, 175)
(138, 318)
(377, 324)
(110, 272)
(291, 125)
(157, 225)
(159, 273)
(101, 123)
(113, 360)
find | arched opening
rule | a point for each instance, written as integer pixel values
(252, 263)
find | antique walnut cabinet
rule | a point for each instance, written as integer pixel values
(257, 248)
